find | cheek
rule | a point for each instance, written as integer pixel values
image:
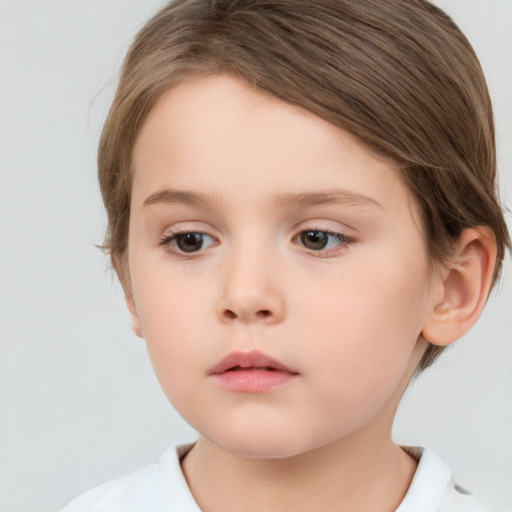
(172, 327)
(366, 326)
(365, 303)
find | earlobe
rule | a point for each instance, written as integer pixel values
(464, 287)
(133, 312)
(120, 265)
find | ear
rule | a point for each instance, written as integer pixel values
(120, 265)
(130, 302)
(463, 287)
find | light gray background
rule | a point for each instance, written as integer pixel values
(79, 402)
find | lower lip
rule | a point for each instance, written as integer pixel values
(254, 381)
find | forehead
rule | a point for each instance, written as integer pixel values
(209, 109)
(219, 135)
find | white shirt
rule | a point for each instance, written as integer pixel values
(162, 488)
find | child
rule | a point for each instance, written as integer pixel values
(303, 214)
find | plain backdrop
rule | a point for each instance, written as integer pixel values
(79, 403)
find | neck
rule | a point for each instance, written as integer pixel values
(346, 475)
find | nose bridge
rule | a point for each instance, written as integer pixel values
(250, 288)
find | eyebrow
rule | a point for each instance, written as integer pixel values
(308, 199)
(169, 196)
(286, 200)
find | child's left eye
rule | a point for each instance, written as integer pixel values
(319, 240)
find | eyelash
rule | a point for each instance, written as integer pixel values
(170, 241)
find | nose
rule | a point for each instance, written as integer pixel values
(250, 292)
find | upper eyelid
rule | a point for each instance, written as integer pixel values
(331, 225)
(329, 232)
(172, 235)
(175, 232)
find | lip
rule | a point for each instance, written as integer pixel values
(251, 372)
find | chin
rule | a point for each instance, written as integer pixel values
(253, 450)
(266, 443)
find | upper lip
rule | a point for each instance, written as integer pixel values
(252, 359)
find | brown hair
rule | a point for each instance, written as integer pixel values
(397, 74)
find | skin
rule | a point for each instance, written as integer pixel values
(348, 319)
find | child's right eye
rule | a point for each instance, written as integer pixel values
(187, 242)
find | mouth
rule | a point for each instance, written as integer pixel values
(251, 372)
(247, 361)
(252, 368)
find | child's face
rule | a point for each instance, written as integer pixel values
(301, 245)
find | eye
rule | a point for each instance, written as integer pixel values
(317, 240)
(188, 242)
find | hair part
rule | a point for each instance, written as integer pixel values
(399, 75)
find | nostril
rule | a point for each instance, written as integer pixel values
(262, 313)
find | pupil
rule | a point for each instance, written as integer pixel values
(189, 242)
(314, 239)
